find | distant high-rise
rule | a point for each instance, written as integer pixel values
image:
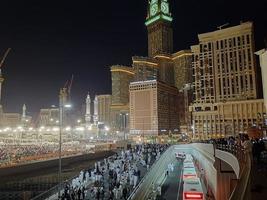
(48, 117)
(121, 77)
(104, 103)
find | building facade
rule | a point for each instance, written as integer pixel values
(48, 117)
(225, 89)
(224, 65)
(153, 108)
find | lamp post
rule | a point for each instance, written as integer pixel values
(62, 105)
(143, 131)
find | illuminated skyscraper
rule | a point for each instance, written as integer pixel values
(225, 89)
(158, 22)
(121, 77)
(161, 66)
(224, 65)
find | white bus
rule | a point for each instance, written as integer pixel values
(189, 173)
(192, 190)
(189, 165)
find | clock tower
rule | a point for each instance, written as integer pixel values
(158, 22)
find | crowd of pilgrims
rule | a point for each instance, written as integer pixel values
(114, 177)
(15, 153)
(257, 148)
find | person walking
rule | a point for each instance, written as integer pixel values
(124, 193)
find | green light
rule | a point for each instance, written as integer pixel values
(157, 17)
(151, 20)
(167, 18)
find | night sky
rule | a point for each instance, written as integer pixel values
(51, 40)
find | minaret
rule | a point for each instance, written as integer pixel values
(24, 111)
(23, 117)
(158, 22)
(88, 110)
(95, 110)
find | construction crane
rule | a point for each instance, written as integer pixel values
(3, 59)
(68, 86)
(220, 27)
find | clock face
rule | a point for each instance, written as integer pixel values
(165, 7)
(153, 9)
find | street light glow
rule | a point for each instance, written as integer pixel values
(55, 129)
(67, 105)
(68, 128)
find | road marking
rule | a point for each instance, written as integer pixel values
(180, 184)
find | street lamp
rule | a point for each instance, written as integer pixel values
(62, 105)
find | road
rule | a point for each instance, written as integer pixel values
(172, 188)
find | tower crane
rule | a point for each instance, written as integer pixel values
(68, 86)
(224, 25)
(3, 59)
(1, 65)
